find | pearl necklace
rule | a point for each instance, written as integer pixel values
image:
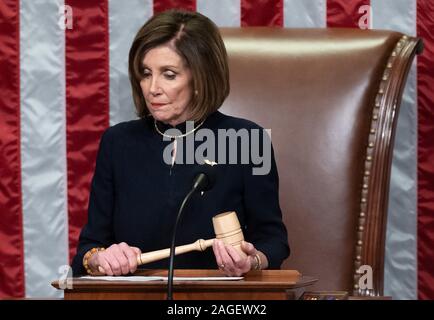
(179, 136)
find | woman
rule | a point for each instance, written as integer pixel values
(179, 73)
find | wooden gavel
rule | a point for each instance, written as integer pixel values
(226, 228)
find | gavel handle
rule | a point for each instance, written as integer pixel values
(199, 245)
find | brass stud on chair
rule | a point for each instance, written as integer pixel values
(385, 78)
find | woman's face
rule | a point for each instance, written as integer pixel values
(166, 85)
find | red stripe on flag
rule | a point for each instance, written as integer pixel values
(162, 5)
(425, 81)
(11, 226)
(344, 13)
(87, 103)
(262, 13)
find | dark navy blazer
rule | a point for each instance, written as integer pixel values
(135, 197)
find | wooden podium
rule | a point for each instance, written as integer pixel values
(256, 285)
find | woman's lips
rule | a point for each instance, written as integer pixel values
(157, 105)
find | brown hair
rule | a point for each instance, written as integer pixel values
(198, 41)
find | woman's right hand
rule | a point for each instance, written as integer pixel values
(116, 260)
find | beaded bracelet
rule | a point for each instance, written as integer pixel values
(87, 257)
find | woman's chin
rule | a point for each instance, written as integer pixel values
(165, 118)
(159, 116)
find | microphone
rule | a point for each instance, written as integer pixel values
(203, 181)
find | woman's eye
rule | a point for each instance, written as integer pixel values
(170, 76)
(146, 74)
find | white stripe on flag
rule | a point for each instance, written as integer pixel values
(305, 13)
(124, 22)
(43, 151)
(401, 241)
(224, 13)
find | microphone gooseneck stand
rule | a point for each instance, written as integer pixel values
(200, 183)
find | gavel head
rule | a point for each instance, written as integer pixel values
(227, 228)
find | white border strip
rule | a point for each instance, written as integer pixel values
(124, 22)
(401, 242)
(43, 152)
(305, 13)
(224, 13)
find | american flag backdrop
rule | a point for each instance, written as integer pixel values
(64, 80)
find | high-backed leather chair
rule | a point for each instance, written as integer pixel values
(331, 99)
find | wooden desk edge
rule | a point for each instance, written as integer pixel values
(256, 279)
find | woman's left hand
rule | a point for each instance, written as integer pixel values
(230, 261)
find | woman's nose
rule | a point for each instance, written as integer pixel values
(154, 89)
